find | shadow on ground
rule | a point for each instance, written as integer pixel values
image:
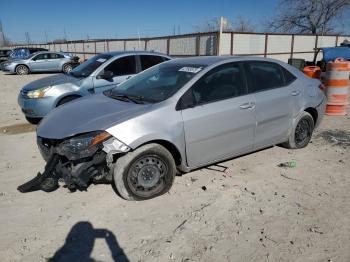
(80, 243)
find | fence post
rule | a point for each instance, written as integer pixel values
(107, 45)
(218, 43)
(95, 48)
(198, 39)
(336, 40)
(146, 41)
(168, 46)
(232, 35)
(83, 51)
(266, 41)
(292, 47)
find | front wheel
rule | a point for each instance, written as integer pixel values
(22, 70)
(301, 133)
(33, 120)
(145, 173)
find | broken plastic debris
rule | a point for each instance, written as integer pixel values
(290, 164)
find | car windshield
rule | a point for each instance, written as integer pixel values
(88, 67)
(157, 83)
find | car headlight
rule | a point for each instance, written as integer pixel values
(83, 145)
(38, 93)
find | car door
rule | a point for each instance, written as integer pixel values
(274, 102)
(40, 62)
(55, 61)
(122, 69)
(220, 123)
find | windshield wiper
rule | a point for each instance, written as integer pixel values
(123, 97)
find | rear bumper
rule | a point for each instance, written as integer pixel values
(321, 108)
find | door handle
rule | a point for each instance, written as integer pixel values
(249, 105)
(295, 93)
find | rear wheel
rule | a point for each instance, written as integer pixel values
(33, 120)
(22, 70)
(145, 173)
(302, 132)
(67, 68)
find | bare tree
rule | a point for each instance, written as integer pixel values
(4, 41)
(212, 25)
(242, 24)
(308, 16)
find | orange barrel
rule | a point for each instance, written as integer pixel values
(312, 71)
(337, 87)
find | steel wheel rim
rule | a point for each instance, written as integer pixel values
(302, 132)
(146, 176)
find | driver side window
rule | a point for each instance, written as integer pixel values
(224, 81)
(41, 57)
(122, 66)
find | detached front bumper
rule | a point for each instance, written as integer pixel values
(77, 173)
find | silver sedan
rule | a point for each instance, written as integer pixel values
(178, 116)
(40, 62)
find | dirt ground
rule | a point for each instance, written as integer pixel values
(245, 209)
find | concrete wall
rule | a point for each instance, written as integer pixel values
(278, 46)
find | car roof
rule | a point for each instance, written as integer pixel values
(50, 52)
(211, 60)
(117, 53)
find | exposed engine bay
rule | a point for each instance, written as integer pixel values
(78, 161)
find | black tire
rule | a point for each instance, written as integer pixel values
(67, 99)
(145, 173)
(22, 70)
(33, 120)
(66, 68)
(301, 133)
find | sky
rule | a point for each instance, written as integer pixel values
(120, 18)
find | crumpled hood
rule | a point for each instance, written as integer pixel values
(51, 81)
(96, 112)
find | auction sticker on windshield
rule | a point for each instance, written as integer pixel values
(101, 60)
(193, 70)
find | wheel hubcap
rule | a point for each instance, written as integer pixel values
(146, 176)
(302, 131)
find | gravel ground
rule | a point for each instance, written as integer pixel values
(245, 209)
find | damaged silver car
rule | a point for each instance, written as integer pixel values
(176, 117)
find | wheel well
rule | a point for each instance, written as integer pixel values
(22, 65)
(313, 113)
(69, 96)
(170, 147)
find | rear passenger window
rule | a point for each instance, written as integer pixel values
(220, 83)
(148, 61)
(56, 56)
(122, 66)
(288, 76)
(264, 76)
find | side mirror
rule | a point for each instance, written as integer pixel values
(105, 75)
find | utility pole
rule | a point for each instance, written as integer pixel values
(27, 37)
(46, 38)
(3, 38)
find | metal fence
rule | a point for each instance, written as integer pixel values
(278, 46)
